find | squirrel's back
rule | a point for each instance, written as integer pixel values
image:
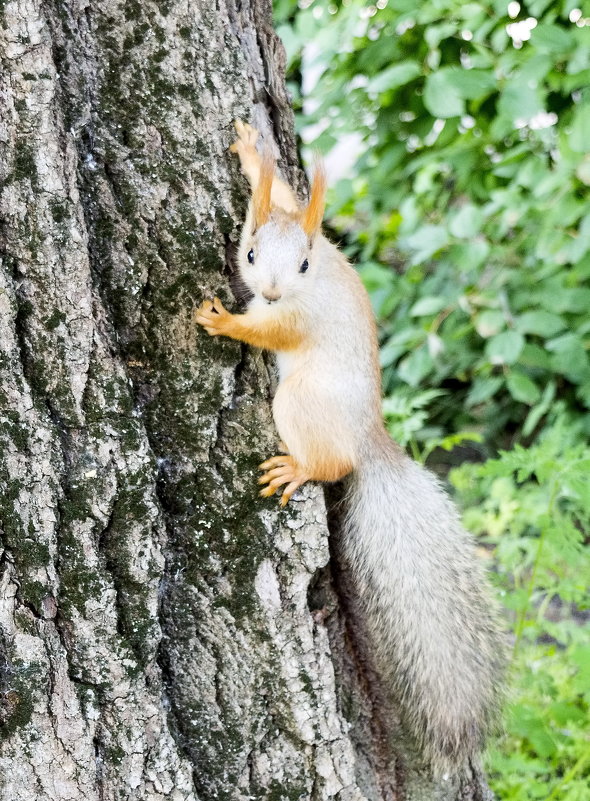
(431, 624)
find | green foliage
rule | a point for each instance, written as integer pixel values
(533, 506)
(473, 174)
(466, 212)
(406, 414)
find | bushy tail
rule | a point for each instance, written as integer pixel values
(430, 621)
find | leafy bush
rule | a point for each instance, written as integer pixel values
(533, 506)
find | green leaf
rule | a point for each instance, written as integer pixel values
(428, 305)
(534, 356)
(505, 348)
(542, 741)
(552, 39)
(565, 299)
(519, 102)
(563, 713)
(580, 658)
(579, 135)
(395, 76)
(489, 322)
(472, 84)
(425, 242)
(434, 34)
(542, 323)
(583, 171)
(441, 97)
(469, 256)
(522, 388)
(537, 412)
(450, 442)
(415, 367)
(569, 356)
(483, 389)
(581, 245)
(467, 222)
(537, 7)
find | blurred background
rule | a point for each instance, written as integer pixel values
(457, 142)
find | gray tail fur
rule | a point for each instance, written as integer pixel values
(431, 623)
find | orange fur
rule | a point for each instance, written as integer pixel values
(329, 459)
(270, 335)
(313, 213)
(328, 467)
(280, 333)
(261, 195)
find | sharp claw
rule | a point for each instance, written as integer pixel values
(281, 470)
(205, 306)
(284, 471)
(274, 460)
(289, 490)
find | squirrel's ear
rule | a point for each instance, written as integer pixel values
(261, 195)
(312, 214)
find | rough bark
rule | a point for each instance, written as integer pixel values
(165, 633)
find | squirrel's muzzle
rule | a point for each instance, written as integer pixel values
(271, 295)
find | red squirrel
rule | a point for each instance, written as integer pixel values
(424, 598)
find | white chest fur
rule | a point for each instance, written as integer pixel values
(286, 363)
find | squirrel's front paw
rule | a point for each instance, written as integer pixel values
(212, 316)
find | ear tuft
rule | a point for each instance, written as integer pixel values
(261, 196)
(312, 215)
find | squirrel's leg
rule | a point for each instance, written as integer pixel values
(250, 160)
(283, 470)
(269, 334)
(316, 452)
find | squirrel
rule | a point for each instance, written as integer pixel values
(423, 595)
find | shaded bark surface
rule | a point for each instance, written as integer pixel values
(165, 633)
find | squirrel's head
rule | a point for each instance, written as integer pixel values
(276, 254)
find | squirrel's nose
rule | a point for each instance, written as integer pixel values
(271, 294)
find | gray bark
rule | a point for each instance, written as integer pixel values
(164, 633)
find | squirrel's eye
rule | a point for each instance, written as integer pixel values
(304, 266)
(251, 256)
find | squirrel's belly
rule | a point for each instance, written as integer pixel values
(312, 425)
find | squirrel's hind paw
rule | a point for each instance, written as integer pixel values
(283, 470)
(247, 136)
(245, 147)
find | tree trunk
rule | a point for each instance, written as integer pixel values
(165, 633)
